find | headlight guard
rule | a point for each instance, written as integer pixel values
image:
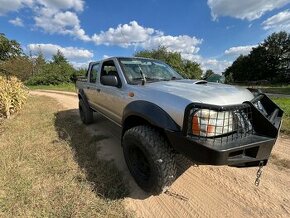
(208, 121)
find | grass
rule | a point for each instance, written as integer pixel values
(284, 103)
(277, 90)
(68, 87)
(49, 167)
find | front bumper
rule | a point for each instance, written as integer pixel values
(245, 149)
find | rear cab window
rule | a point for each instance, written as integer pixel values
(94, 72)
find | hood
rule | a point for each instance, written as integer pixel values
(209, 93)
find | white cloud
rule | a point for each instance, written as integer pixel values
(245, 9)
(73, 54)
(77, 5)
(124, 35)
(65, 23)
(239, 50)
(278, 22)
(14, 5)
(218, 66)
(52, 16)
(78, 65)
(106, 56)
(133, 34)
(184, 44)
(16, 22)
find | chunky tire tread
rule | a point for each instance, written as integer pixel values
(159, 152)
(86, 113)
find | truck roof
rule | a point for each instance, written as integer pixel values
(117, 57)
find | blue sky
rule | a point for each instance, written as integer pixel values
(212, 32)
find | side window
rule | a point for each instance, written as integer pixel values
(94, 73)
(109, 69)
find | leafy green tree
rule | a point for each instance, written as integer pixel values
(20, 66)
(269, 61)
(207, 74)
(191, 69)
(186, 68)
(59, 58)
(9, 48)
(39, 62)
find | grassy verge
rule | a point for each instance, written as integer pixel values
(69, 87)
(277, 90)
(49, 167)
(284, 103)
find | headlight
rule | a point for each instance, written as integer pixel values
(209, 123)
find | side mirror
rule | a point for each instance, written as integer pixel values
(109, 80)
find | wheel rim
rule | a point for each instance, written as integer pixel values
(139, 163)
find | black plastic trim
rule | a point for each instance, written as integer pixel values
(152, 113)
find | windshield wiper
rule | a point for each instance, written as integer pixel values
(143, 76)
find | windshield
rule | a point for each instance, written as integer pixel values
(153, 70)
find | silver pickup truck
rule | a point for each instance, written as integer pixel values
(162, 114)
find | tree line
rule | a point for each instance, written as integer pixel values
(269, 62)
(34, 70)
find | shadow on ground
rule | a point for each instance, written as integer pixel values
(98, 152)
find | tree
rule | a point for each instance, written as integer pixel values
(59, 58)
(269, 61)
(58, 71)
(9, 48)
(21, 67)
(187, 68)
(191, 69)
(207, 74)
(39, 62)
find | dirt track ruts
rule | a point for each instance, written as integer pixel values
(203, 191)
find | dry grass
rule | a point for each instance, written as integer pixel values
(12, 96)
(284, 104)
(49, 167)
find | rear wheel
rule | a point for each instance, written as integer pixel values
(86, 113)
(149, 158)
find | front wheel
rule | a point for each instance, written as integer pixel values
(149, 158)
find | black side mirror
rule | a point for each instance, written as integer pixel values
(109, 80)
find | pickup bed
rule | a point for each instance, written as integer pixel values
(162, 114)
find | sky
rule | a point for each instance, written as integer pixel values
(213, 32)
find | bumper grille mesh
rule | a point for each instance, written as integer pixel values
(220, 123)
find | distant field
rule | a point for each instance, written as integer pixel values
(284, 103)
(277, 90)
(49, 167)
(69, 87)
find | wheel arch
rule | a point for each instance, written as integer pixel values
(147, 113)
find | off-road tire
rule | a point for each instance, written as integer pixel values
(159, 155)
(86, 113)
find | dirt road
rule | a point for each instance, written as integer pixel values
(202, 191)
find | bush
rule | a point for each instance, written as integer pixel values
(53, 74)
(13, 95)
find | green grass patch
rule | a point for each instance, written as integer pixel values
(68, 87)
(277, 90)
(284, 103)
(50, 168)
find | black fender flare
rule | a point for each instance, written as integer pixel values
(150, 112)
(82, 95)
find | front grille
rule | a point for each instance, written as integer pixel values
(220, 124)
